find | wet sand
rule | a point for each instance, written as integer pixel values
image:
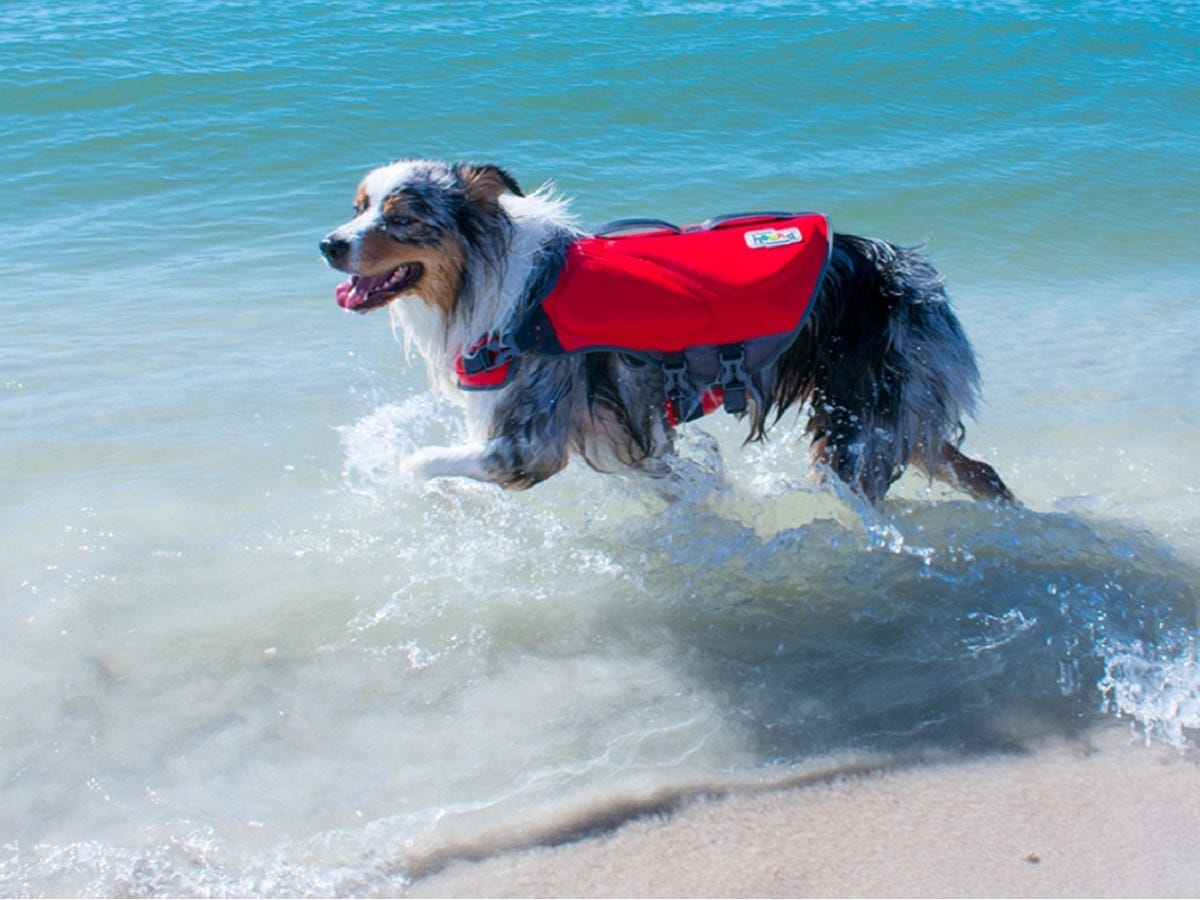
(1104, 816)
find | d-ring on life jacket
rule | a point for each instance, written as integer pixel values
(709, 303)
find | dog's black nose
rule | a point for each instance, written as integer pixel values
(334, 248)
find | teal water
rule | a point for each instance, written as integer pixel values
(239, 655)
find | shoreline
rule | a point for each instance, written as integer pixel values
(1098, 816)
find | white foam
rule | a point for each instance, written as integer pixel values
(1159, 690)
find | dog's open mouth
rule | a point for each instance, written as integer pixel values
(366, 292)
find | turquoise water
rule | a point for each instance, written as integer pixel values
(239, 654)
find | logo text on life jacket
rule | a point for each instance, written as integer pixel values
(773, 237)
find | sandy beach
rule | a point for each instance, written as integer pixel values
(1104, 816)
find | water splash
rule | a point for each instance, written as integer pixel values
(1157, 686)
(443, 660)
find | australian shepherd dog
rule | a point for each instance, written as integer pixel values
(457, 252)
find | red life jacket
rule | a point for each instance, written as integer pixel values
(742, 282)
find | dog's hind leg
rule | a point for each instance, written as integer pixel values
(858, 444)
(975, 477)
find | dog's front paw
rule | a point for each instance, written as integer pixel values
(446, 462)
(422, 465)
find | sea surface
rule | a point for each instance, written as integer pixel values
(240, 654)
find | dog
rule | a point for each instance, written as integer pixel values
(461, 256)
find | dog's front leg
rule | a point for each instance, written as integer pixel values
(523, 433)
(526, 431)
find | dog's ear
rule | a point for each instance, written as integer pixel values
(485, 184)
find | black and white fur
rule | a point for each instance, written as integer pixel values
(456, 251)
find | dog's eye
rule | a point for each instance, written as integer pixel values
(400, 221)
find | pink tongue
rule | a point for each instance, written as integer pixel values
(354, 293)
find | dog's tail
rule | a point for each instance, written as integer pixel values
(884, 363)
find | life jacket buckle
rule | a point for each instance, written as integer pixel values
(734, 379)
(485, 356)
(486, 365)
(677, 386)
(674, 368)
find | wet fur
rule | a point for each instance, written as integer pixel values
(881, 363)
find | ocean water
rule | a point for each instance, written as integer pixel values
(240, 655)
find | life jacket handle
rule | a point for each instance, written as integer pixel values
(619, 225)
(718, 221)
(628, 224)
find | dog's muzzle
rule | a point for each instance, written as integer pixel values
(335, 250)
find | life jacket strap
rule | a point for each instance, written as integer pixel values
(685, 401)
(710, 402)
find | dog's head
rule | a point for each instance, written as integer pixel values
(416, 226)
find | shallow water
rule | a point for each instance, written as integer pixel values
(240, 655)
